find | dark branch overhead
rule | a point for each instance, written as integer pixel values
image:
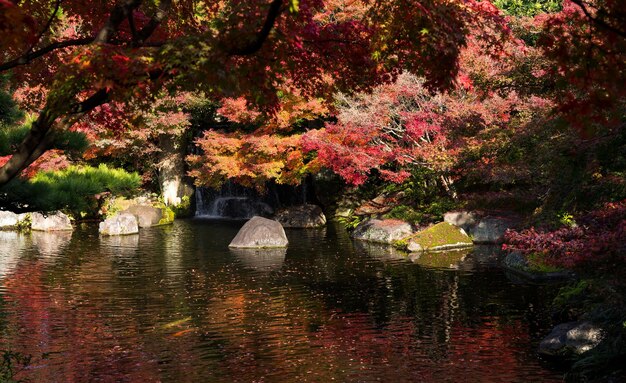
(601, 22)
(256, 44)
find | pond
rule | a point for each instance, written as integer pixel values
(174, 304)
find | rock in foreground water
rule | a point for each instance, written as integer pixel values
(492, 229)
(572, 338)
(260, 232)
(442, 236)
(147, 216)
(50, 222)
(8, 220)
(382, 231)
(120, 224)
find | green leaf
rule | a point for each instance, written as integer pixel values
(294, 6)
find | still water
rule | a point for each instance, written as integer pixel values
(174, 304)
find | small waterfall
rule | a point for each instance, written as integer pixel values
(230, 202)
(233, 201)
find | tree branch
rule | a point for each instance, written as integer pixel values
(40, 137)
(46, 27)
(155, 21)
(140, 35)
(33, 143)
(133, 30)
(261, 36)
(598, 21)
(118, 14)
(27, 58)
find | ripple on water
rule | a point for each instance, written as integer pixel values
(174, 304)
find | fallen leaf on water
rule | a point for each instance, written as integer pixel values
(176, 323)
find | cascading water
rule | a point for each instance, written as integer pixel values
(233, 201)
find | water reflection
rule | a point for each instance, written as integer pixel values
(379, 251)
(121, 242)
(261, 259)
(451, 259)
(51, 243)
(326, 311)
(12, 244)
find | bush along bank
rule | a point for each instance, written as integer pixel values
(591, 309)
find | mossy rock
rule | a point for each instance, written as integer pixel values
(531, 268)
(184, 209)
(441, 236)
(149, 211)
(168, 215)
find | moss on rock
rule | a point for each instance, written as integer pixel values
(168, 215)
(439, 237)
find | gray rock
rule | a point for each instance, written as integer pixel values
(382, 231)
(515, 260)
(491, 229)
(147, 216)
(8, 220)
(344, 212)
(302, 216)
(50, 222)
(466, 220)
(570, 339)
(260, 232)
(120, 224)
(414, 247)
(442, 236)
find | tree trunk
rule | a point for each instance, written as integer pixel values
(38, 140)
(172, 170)
(447, 185)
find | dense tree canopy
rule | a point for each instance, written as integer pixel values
(76, 56)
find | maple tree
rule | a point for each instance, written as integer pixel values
(596, 239)
(88, 55)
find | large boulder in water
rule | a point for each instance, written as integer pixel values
(301, 216)
(8, 220)
(120, 224)
(382, 231)
(50, 222)
(484, 229)
(570, 339)
(466, 220)
(442, 236)
(148, 216)
(260, 232)
(492, 229)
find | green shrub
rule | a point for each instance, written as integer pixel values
(537, 263)
(12, 135)
(405, 213)
(73, 189)
(528, 8)
(350, 222)
(9, 112)
(184, 208)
